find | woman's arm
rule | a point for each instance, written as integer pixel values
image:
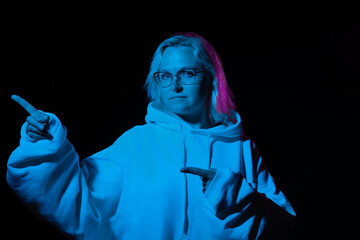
(47, 175)
(251, 205)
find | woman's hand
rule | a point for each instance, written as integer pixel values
(206, 175)
(38, 122)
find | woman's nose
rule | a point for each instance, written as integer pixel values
(176, 86)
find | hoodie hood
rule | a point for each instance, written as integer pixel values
(156, 114)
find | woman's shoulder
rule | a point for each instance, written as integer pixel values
(137, 132)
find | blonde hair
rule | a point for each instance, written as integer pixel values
(220, 102)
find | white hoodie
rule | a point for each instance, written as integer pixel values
(134, 189)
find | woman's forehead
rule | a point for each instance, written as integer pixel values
(176, 58)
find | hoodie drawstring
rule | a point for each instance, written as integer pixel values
(209, 150)
(186, 218)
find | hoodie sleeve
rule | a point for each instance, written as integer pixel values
(48, 176)
(251, 205)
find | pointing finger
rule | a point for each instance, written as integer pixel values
(30, 109)
(25, 104)
(209, 174)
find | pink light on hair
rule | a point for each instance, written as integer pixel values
(224, 97)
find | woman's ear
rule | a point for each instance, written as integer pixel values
(209, 79)
(210, 88)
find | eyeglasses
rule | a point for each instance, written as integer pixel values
(185, 76)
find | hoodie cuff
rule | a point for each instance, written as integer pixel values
(216, 189)
(227, 189)
(56, 130)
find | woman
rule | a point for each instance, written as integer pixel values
(188, 173)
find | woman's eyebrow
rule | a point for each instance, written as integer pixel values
(187, 67)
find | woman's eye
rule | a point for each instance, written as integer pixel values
(187, 73)
(165, 76)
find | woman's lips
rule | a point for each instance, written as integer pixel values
(177, 97)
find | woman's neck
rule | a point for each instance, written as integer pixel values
(200, 121)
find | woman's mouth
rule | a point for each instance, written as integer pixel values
(175, 97)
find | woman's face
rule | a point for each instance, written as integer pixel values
(183, 100)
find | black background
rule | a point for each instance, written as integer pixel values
(295, 77)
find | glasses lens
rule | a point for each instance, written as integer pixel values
(187, 76)
(165, 79)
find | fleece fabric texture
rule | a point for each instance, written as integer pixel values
(134, 189)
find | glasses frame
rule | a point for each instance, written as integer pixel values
(156, 76)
